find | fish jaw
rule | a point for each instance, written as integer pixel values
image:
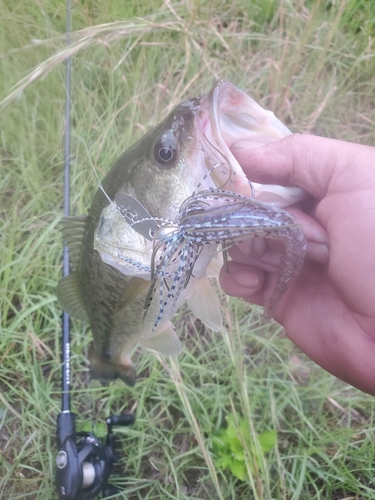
(235, 116)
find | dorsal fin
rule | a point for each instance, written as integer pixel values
(69, 297)
(73, 230)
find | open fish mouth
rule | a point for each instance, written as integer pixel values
(229, 116)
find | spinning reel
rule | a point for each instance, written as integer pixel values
(83, 462)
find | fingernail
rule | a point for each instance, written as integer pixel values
(247, 279)
(318, 251)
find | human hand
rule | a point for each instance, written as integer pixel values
(329, 310)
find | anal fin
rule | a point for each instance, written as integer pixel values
(164, 342)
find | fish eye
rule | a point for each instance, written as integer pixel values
(165, 155)
(165, 151)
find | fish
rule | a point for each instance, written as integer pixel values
(151, 236)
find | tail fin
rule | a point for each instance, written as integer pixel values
(106, 371)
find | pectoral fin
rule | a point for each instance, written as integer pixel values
(164, 342)
(69, 297)
(214, 267)
(205, 304)
(134, 288)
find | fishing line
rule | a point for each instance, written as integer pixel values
(83, 462)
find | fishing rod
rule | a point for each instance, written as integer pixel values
(83, 462)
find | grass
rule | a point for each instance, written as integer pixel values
(313, 64)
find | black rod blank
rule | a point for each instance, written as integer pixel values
(65, 318)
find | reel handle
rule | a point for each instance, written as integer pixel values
(119, 420)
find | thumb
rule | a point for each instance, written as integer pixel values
(300, 160)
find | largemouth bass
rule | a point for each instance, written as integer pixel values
(150, 238)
